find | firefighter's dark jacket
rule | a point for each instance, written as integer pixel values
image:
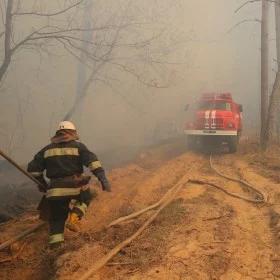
(63, 160)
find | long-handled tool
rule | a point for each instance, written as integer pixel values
(28, 231)
(20, 168)
(43, 205)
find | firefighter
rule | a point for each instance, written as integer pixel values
(63, 160)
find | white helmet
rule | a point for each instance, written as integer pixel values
(66, 125)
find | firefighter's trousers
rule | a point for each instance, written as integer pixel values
(59, 211)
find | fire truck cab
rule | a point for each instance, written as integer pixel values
(214, 118)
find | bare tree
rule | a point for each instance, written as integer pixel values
(113, 44)
(264, 68)
(275, 95)
(8, 50)
(87, 37)
(51, 29)
(117, 52)
(40, 35)
(264, 64)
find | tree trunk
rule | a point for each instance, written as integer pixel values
(272, 110)
(264, 68)
(275, 95)
(7, 41)
(277, 22)
(82, 71)
(277, 28)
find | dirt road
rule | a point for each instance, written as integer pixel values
(203, 234)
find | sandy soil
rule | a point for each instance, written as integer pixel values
(202, 234)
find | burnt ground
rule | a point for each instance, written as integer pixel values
(203, 234)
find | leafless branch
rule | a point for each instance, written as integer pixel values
(242, 22)
(251, 2)
(94, 29)
(133, 73)
(245, 4)
(131, 104)
(26, 39)
(94, 72)
(2, 14)
(72, 53)
(61, 34)
(49, 14)
(7, 41)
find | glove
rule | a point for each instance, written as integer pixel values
(100, 174)
(105, 185)
(104, 181)
(41, 188)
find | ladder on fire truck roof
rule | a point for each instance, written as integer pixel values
(217, 96)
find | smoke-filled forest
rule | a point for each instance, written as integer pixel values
(139, 139)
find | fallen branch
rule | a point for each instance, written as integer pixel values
(20, 235)
(12, 258)
(103, 261)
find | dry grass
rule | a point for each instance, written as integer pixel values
(149, 249)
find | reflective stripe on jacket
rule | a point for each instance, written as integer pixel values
(67, 186)
(62, 192)
(64, 159)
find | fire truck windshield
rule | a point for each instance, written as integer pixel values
(217, 105)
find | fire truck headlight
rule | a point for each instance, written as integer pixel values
(230, 125)
(189, 125)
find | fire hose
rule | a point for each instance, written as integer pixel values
(163, 203)
(259, 198)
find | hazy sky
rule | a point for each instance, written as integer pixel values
(205, 57)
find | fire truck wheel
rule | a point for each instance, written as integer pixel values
(232, 144)
(191, 142)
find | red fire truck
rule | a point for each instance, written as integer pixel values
(214, 119)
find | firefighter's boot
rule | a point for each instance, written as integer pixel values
(56, 241)
(73, 222)
(57, 246)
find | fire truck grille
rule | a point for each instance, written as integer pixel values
(216, 123)
(219, 123)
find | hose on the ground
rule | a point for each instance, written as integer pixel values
(260, 198)
(164, 203)
(99, 264)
